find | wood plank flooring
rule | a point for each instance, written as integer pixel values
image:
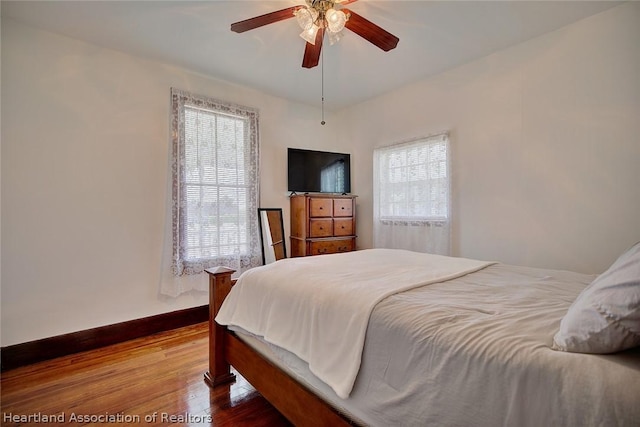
(156, 380)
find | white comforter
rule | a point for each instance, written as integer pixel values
(476, 351)
(318, 307)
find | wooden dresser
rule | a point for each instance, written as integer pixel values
(322, 224)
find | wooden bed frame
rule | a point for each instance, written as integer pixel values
(294, 400)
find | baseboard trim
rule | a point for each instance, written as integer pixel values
(14, 356)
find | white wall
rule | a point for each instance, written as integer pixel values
(85, 155)
(545, 140)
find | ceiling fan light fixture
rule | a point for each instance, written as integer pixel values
(336, 19)
(306, 17)
(310, 34)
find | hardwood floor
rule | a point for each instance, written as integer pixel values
(156, 380)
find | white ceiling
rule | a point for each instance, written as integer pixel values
(434, 36)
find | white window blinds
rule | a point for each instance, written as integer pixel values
(412, 195)
(215, 184)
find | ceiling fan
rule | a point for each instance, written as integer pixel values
(318, 17)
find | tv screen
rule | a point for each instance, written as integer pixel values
(318, 171)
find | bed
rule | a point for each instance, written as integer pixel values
(390, 337)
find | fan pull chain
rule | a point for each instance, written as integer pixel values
(322, 86)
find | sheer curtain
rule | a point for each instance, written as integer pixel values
(411, 200)
(214, 188)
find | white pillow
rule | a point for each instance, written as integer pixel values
(605, 317)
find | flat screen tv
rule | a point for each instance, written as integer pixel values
(318, 171)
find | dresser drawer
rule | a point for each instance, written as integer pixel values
(342, 207)
(343, 227)
(320, 227)
(331, 246)
(320, 207)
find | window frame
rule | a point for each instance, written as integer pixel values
(423, 218)
(181, 263)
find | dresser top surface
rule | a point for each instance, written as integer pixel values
(325, 195)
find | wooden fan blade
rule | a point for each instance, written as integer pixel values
(259, 21)
(343, 2)
(312, 51)
(370, 31)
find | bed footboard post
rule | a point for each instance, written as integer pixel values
(219, 287)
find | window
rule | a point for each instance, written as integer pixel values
(411, 195)
(215, 184)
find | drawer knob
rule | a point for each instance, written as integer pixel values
(342, 208)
